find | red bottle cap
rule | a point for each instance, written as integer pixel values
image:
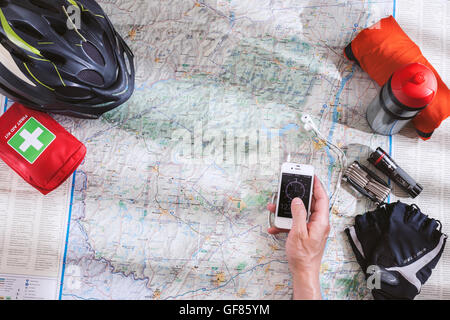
(414, 85)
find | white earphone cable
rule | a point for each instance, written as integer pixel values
(309, 125)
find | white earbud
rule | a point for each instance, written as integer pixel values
(309, 124)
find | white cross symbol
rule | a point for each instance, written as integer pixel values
(31, 140)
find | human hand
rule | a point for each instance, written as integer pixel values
(305, 244)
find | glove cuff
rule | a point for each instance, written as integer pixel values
(357, 247)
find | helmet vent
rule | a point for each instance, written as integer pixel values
(54, 57)
(27, 29)
(127, 63)
(45, 5)
(58, 26)
(93, 53)
(92, 77)
(107, 44)
(73, 92)
(90, 20)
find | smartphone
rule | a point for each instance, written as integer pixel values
(296, 181)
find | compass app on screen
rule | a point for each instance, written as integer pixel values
(293, 186)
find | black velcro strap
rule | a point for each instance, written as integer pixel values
(349, 53)
(424, 134)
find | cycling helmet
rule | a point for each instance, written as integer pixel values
(52, 62)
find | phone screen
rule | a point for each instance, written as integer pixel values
(293, 186)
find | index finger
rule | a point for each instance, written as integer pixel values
(271, 207)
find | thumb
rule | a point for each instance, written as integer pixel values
(299, 217)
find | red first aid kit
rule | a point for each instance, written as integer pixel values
(37, 148)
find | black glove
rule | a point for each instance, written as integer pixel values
(400, 244)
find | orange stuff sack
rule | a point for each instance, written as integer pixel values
(382, 49)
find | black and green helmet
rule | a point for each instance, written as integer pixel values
(63, 56)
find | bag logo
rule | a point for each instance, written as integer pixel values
(31, 140)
